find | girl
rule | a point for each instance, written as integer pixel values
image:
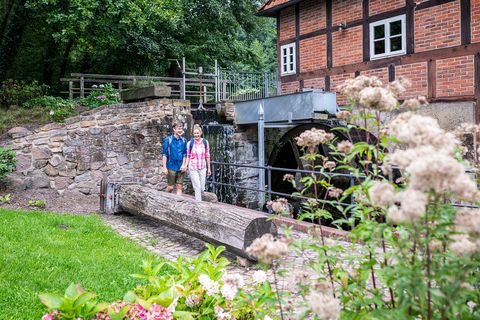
(198, 161)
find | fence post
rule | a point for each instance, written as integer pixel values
(269, 183)
(261, 156)
(217, 87)
(70, 90)
(82, 87)
(183, 86)
(265, 85)
(214, 186)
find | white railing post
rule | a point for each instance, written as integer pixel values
(261, 156)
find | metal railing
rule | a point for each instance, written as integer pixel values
(196, 85)
(268, 192)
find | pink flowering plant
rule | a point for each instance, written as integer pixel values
(411, 252)
(101, 95)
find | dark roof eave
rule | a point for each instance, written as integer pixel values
(272, 12)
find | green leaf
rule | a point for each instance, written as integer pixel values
(72, 291)
(52, 301)
(130, 297)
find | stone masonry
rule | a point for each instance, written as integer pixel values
(122, 143)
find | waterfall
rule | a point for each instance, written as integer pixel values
(222, 149)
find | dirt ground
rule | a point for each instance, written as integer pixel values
(69, 202)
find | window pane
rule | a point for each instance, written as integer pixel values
(291, 50)
(291, 66)
(379, 32)
(395, 28)
(284, 51)
(379, 47)
(284, 60)
(291, 58)
(284, 68)
(396, 44)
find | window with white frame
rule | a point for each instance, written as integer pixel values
(388, 37)
(288, 59)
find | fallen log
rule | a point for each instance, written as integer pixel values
(216, 223)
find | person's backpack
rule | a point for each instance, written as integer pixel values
(190, 147)
(169, 140)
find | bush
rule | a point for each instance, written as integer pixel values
(8, 163)
(102, 95)
(58, 109)
(16, 92)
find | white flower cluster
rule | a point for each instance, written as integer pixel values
(267, 248)
(221, 314)
(467, 222)
(210, 286)
(313, 137)
(231, 284)
(259, 276)
(324, 305)
(429, 165)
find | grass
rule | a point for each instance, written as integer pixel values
(45, 252)
(17, 116)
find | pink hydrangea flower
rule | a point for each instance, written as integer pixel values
(101, 97)
(158, 312)
(52, 315)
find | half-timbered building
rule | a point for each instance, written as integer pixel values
(434, 43)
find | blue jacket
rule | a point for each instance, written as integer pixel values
(175, 149)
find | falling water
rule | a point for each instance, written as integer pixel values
(222, 149)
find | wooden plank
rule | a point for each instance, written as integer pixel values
(466, 21)
(437, 54)
(432, 78)
(327, 83)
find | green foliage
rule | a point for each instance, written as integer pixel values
(8, 163)
(39, 255)
(5, 199)
(57, 108)
(16, 92)
(37, 203)
(73, 304)
(17, 116)
(104, 95)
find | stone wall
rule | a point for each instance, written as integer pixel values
(122, 143)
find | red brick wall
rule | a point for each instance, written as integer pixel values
(337, 80)
(417, 73)
(379, 6)
(455, 76)
(313, 53)
(381, 74)
(317, 83)
(346, 10)
(287, 24)
(347, 46)
(289, 87)
(312, 16)
(437, 27)
(476, 21)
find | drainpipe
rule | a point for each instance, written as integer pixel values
(261, 156)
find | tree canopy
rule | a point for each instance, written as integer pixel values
(47, 39)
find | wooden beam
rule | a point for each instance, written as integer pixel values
(432, 79)
(366, 30)
(410, 26)
(452, 98)
(297, 38)
(477, 86)
(327, 83)
(391, 72)
(437, 54)
(432, 3)
(466, 21)
(329, 10)
(366, 19)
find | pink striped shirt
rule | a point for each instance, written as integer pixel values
(199, 154)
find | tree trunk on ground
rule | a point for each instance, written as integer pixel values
(218, 223)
